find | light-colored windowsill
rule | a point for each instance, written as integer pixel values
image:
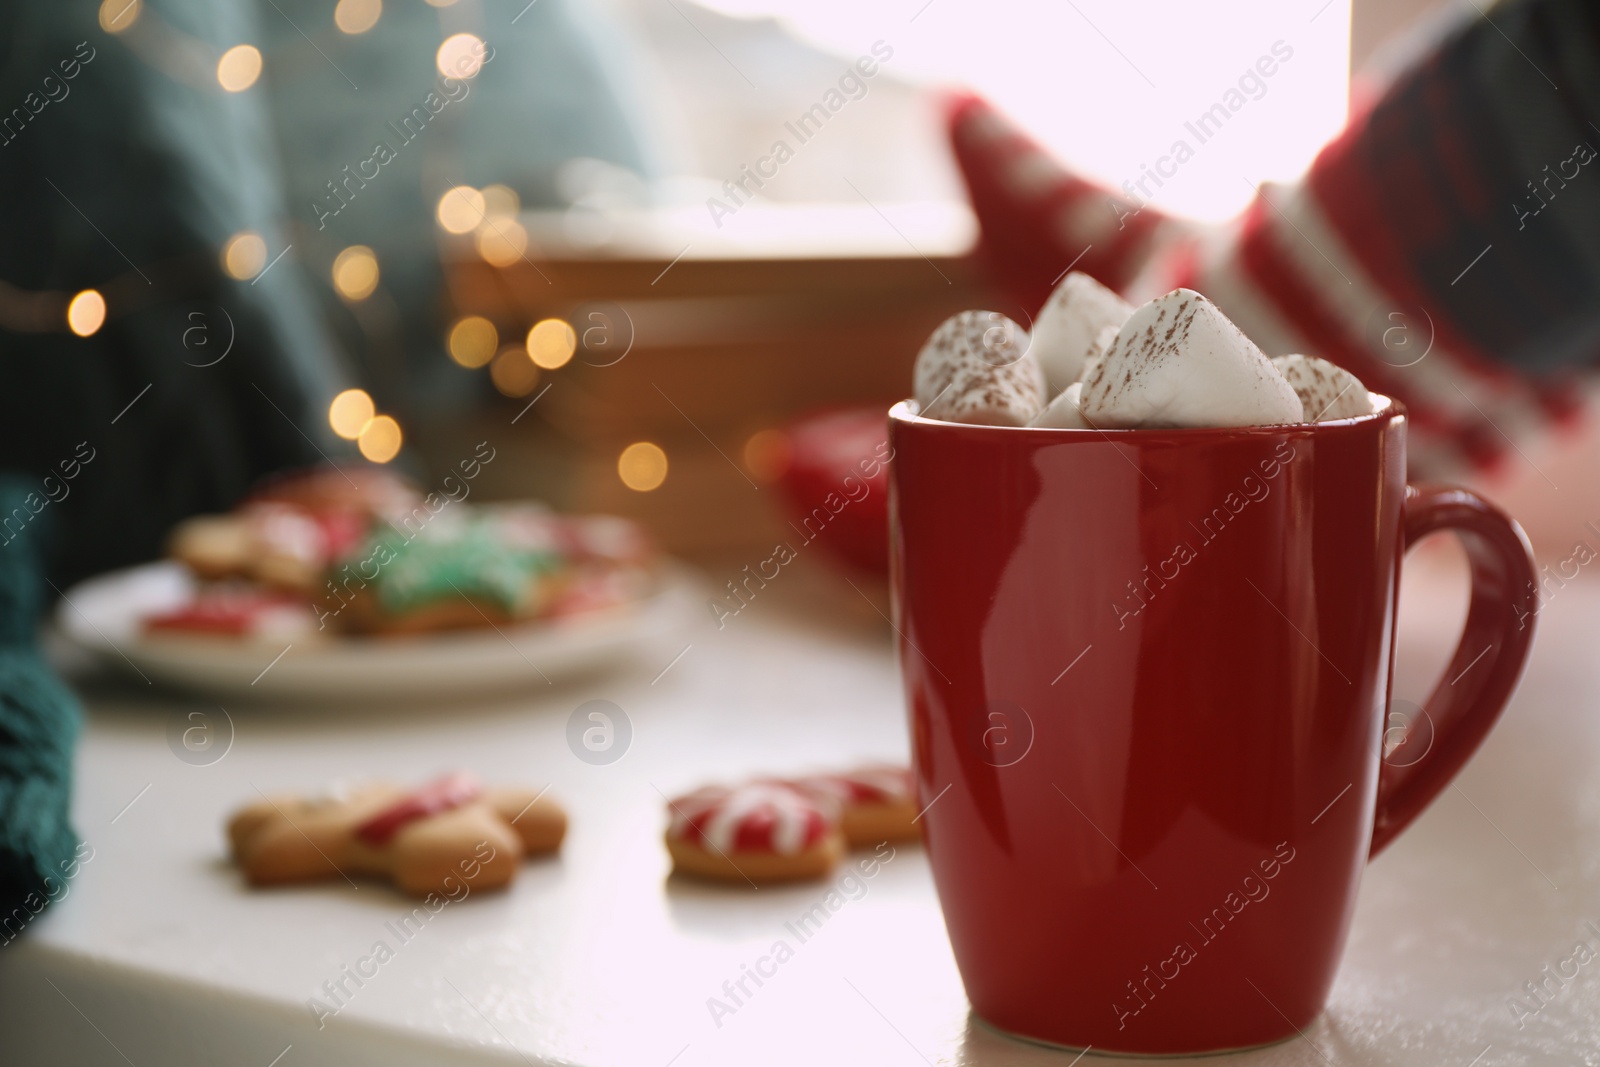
(935, 229)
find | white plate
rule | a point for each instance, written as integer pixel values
(102, 615)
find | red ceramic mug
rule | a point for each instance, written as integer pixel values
(1147, 674)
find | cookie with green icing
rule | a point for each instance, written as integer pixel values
(465, 568)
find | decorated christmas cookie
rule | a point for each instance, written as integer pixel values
(448, 833)
(240, 611)
(368, 555)
(876, 802)
(755, 833)
(464, 569)
(278, 545)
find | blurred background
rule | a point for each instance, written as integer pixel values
(571, 220)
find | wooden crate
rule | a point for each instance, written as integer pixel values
(720, 348)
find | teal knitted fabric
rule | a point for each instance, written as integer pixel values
(39, 720)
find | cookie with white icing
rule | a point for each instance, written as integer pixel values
(1065, 332)
(876, 802)
(1326, 390)
(279, 545)
(977, 368)
(1179, 362)
(755, 833)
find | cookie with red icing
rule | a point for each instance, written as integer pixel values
(756, 833)
(876, 802)
(449, 833)
(236, 611)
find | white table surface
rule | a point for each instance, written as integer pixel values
(160, 956)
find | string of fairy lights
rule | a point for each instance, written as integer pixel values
(487, 217)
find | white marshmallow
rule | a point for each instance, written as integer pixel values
(976, 368)
(1062, 413)
(1178, 361)
(1326, 391)
(1097, 351)
(1078, 310)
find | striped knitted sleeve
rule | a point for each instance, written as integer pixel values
(1446, 246)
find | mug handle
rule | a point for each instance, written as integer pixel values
(1488, 660)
